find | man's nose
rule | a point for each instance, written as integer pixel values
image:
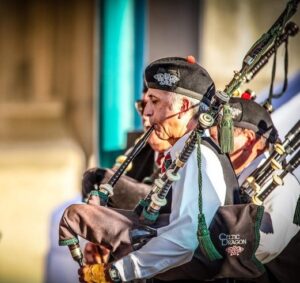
(148, 111)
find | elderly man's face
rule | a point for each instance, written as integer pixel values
(154, 141)
(240, 140)
(165, 115)
(213, 131)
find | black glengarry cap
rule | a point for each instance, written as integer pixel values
(248, 114)
(182, 76)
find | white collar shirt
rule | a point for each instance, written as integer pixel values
(176, 242)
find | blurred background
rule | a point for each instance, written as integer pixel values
(70, 72)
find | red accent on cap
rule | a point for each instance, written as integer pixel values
(191, 59)
(246, 96)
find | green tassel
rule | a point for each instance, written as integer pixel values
(226, 134)
(258, 219)
(205, 243)
(296, 219)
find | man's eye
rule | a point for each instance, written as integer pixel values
(154, 101)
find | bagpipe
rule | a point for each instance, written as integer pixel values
(256, 187)
(101, 194)
(148, 209)
(105, 191)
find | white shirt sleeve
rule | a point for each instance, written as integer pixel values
(281, 205)
(176, 243)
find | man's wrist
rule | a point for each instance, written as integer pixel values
(114, 274)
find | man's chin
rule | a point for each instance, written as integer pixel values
(157, 132)
(161, 136)
(160, 133)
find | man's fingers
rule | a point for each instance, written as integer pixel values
(89, 247)
(98, 258)
(104, 251)
(91, 254)
(104, 254)
(96, 253)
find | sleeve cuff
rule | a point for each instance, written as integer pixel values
(125, 268)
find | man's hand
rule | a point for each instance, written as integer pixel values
(90, 178)
(96, 254)
(94, 273)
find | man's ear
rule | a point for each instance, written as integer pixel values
(251, 137)
(185, 104)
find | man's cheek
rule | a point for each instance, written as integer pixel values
(215, 137)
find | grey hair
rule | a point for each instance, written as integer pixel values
(176, 99)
